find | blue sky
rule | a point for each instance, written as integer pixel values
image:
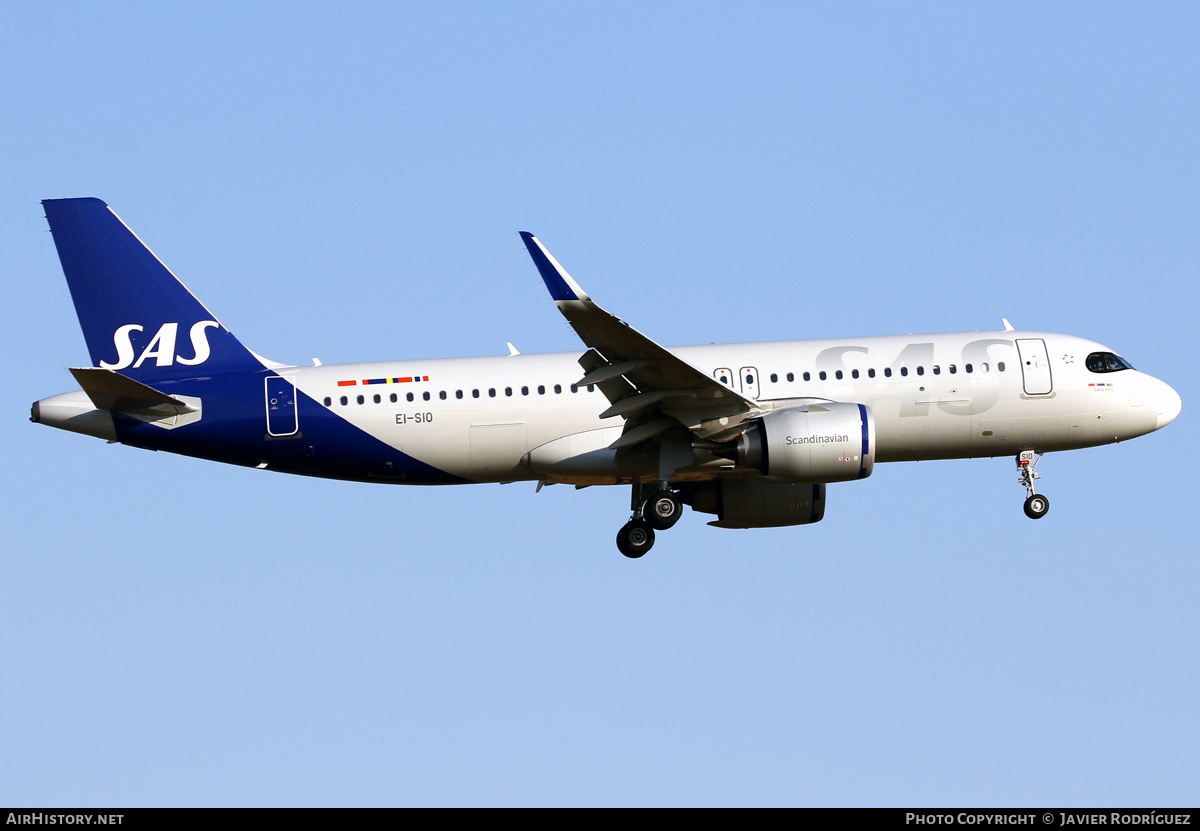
(346, 183)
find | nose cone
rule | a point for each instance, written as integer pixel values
(1169, 404)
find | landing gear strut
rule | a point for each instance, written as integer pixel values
(659, 511)
(1036, 505)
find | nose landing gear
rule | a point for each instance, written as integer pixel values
(1036, 504)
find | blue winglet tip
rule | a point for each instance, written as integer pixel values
(559, 290)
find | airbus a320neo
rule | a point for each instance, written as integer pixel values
(748, 432)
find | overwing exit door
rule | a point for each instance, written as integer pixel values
(749, 376)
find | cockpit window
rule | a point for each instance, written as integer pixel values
(1106, 362)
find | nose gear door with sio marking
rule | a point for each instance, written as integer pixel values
(1035, 366)
(282, 418)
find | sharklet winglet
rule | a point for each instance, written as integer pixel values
(556, 278)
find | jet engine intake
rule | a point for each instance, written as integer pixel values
(833, 442)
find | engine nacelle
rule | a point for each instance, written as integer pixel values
(744, 503)
(832, 442)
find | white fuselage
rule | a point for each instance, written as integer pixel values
(936, 396)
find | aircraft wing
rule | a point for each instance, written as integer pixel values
(643, 381)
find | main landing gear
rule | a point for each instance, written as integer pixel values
(635, 538)
(659, 511)
(1036, 505)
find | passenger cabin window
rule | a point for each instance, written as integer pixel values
(393, 397)
(328, 401)
(524, 390)
(508, 390)
(821, 375)
(474, 393)
(409, 396)
(774, 378)
(1106, 362)
(442, 395)
(377, 398)
(999, 366)
(807, 377)
(558, 388)
(361, 399)
(425, 395)
(791, 377)
(344, 401)
(854, 373)
(937, 370)
(492, 392)
(541, 389)
(953, 369)
(870, 373)
(904, 371)
(458, 394)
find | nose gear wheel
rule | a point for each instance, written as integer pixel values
(1036, 505)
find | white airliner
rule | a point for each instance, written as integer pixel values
(749, 432)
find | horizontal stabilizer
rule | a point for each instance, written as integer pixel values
(110, 390)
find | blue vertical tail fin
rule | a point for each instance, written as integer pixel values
(137, 318)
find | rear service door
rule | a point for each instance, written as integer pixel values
(282, 418)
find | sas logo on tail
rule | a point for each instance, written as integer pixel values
(162, 347)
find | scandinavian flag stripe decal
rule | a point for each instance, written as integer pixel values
(366, 381)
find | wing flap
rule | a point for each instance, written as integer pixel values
(608, 371)
(639, 434)
(639, 401)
